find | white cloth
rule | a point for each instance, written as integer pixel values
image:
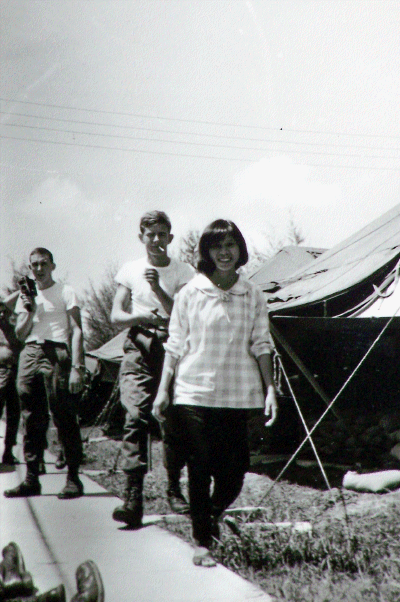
(172, 278)
(50, 322)
(216, 336)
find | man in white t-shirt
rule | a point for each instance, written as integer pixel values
(143, 302)
(49, 372)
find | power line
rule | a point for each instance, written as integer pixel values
(201, 122)
(134, 150)
(225, 146)
(217, 136)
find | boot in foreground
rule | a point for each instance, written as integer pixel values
(15, 581)
(89, 583)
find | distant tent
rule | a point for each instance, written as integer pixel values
(107, 357)
(284, 263)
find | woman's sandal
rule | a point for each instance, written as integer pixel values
(202, 557)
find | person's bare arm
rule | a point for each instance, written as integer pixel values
(25, 320)
(162, 400)
(77, 356)
(122, 317)
(153, 278)
(271, 406)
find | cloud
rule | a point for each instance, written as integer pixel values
(282, 183)
(62, 200)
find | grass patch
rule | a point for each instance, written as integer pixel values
(351, 554)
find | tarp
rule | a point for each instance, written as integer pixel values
(370, 253)
(111, 351)
(108, 356)
(284, 263)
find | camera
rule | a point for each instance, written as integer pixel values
(27, 286)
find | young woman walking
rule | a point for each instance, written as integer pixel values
(218, 350)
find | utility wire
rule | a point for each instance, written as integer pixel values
(203, 122)
(171, 154)
(132, 150)
(189, 143)
(183, 133)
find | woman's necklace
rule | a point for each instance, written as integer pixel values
(227, 284)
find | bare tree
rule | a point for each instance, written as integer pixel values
(273, 245)
(17, 272)
(98, 328)
(188, 248)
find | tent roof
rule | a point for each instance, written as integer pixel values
(112, 351)
(283, 264)
(344, 266)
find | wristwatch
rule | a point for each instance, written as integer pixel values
(77, 366)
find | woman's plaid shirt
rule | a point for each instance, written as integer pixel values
(216, 336)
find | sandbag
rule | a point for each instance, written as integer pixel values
(375, 482)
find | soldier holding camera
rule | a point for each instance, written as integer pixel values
(49, 371)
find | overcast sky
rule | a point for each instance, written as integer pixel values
(260, 111)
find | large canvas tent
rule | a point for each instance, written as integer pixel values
(347, 278)
(336, 322)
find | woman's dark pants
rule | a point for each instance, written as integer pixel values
(217, 446)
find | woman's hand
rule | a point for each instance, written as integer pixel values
(75, 384)
(160, 404)
(271, 406)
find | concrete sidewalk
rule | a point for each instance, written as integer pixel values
(146, 565)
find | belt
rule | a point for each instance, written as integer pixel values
(46, 343)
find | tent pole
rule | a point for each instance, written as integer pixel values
(329, 406)
(305, 425)
(315, 385)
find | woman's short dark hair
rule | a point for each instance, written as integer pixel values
(212, 235)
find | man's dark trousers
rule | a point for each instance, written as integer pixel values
(140, 375)
(42, 384)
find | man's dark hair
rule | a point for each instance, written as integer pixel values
(154, 217)
(42, 251)
(212, 235)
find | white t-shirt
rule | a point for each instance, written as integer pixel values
(50, 322)
(172, 278)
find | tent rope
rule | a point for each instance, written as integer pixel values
(304, 424)
(350, 377)
(378, 291)
(365, 304)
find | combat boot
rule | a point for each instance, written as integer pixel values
(73, 486)
(8, 457)
(61, 461)
(88, 583)
(29, 487)
(131, 512)
(176, 499)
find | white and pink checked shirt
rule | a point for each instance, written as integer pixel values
(216, 336)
